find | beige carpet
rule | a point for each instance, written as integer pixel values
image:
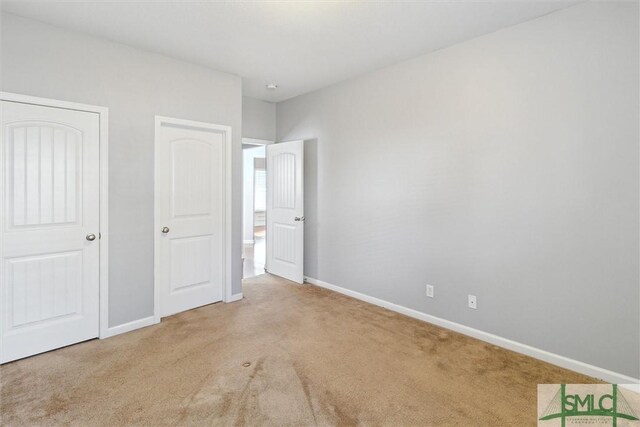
(315, 358)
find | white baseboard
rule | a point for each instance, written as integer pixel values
(555, 359)
(147, 321)
(128, 327)
(234, 298)
(248, 242)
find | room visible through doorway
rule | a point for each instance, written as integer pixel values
(254, 221)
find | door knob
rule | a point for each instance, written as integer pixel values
(299, 218)
(91, 237)
(165, 230)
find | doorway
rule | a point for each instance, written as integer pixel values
(273, 209)
(254, 208)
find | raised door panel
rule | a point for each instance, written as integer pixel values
(192, 172)
(283, 168)
(43, 288)
(191, 263)
(284, 239)
(44, 173)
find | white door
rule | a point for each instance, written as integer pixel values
(285, 210)
(189, 216)
(49, 260)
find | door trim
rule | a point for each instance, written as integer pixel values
(103, 114)
(227, 293)
(257, 142)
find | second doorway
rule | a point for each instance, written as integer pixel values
(254, 209)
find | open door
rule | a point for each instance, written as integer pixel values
(285, 210)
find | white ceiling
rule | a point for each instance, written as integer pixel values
(301, 46)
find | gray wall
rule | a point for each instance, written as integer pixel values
(45, 61)
(258, 119)
(504, 167)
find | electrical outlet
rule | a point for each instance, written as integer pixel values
(472, 302)
(430, 291)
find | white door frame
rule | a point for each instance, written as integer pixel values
(227, 254)
(103, 114)
(256, 142)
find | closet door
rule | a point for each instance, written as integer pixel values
(49, 230)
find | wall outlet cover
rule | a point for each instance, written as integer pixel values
(473, 302)
(430, 291)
